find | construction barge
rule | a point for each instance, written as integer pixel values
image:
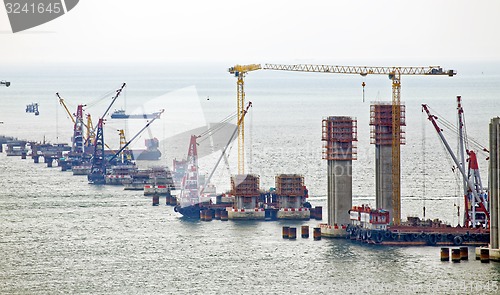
(372, 226)
(246, 201)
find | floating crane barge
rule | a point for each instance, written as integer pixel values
(373, 225)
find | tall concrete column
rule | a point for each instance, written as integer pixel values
(340, 135)
(494, 183)
(381, 135)
(342, 182)
(383, 177)
(331, 192)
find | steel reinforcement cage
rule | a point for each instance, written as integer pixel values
(339, 134)
(291, 185)
(381, 123)
(245, 185)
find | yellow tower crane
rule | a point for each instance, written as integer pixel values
(90, 131)
(125, 155)
(239, 72)
(394, 73)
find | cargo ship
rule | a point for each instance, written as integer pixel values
(151, 153)
(121, 114)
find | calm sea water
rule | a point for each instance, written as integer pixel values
(62, 235)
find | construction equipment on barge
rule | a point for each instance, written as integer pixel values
(245, 200)
(372, 226)
(475, 197)
(98, 170)
(191, 200)
(160, 182)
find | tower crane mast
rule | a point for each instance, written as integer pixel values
(239, 71)
(394, 73)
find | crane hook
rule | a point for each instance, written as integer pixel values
(363, 85)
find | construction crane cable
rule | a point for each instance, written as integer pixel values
(245, 111)
(452, 129)
(216, 129)
(98, 100)
(451, 164)
(219, 126)
(118, 92)
(423, 162)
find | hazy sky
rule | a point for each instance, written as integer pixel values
(261, 31)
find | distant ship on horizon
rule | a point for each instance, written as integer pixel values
(121, 114)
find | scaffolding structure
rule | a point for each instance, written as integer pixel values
(291, 185)
(340, 136)
(245, 185)
(381, 123)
